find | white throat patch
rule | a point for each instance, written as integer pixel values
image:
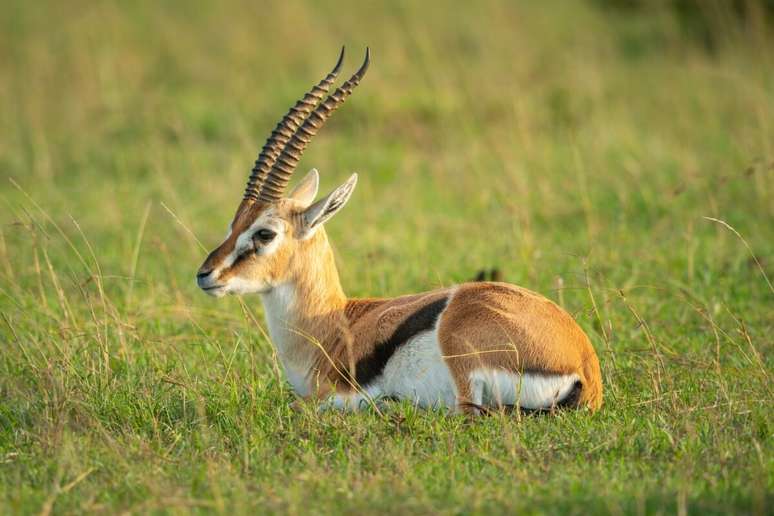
(278, 306)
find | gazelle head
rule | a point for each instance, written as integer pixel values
(271, 235)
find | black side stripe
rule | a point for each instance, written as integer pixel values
(372, 365)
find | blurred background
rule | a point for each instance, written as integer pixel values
(559, 125)
(577, 146)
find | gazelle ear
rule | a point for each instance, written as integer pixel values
(306, 190)
(316, 214)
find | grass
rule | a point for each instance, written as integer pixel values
(605, 158)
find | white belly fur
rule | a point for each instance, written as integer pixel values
(417, 372)
(529, 390)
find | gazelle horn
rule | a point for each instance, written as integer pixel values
(285, 130)
(285, 164)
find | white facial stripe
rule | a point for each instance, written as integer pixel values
(244, 240)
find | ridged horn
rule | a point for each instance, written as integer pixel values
(279, 176)
(285, 130)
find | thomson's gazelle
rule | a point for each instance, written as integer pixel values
(467, 347)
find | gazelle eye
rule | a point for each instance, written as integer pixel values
(264, 236)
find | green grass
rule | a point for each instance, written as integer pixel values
(577, 149)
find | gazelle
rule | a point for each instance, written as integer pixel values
(467, 347)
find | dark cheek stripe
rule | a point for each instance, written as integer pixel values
(372, 365)
(235, 267)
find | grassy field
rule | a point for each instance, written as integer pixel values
(589, 154)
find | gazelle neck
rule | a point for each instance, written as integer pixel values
(306, 311)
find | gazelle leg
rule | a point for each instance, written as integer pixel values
(351, 401)
(470, 395)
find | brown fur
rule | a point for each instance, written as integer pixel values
(369, 322)
(502, 326)
(485, 324)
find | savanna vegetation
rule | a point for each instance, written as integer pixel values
(617, 157)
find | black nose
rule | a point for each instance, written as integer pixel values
(202, 274)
